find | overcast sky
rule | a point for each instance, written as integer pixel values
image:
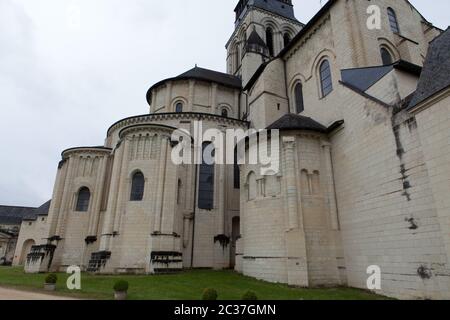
(62, 84)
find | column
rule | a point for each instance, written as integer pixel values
(122, 185)
(108, 222)
(214, 106)
(65, 199)
(291, 185)
(169, 97)
(161, 181)
(55, 206)
(191, 95)
(99, 190)
(331, 191)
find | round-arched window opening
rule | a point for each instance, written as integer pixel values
(225, 113)
(179, 107)
(84, 196)
(386, 57)
(326, 81)
(286, 39)
(137, 187)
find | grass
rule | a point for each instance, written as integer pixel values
(188, 285)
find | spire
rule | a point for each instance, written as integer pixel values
(256, 44)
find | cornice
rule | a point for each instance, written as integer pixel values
(149, 118)
(86, 150)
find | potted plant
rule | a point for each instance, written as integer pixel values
(121, 290)
(50, 282)
(210, 294)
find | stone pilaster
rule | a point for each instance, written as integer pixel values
(296, 260)
(331, 192)
(108, 222)
(191, 95)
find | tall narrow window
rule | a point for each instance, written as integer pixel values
(206, 178)
(252, 186)
(325, 78)
(137, 187)
(236, 171)
(298, 92)
(269, 40)
(286, 39)
(180, 185)
(386, 57)
(393, 20)
(179, 107)
(84, 195)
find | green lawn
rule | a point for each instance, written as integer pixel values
(187, 285)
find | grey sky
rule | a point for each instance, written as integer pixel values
(63, 86)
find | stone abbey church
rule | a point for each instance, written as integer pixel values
(364, 179)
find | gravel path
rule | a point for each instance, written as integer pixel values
(13, 294)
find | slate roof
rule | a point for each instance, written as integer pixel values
(213, 76)
(436, 71)
(202, 74)
(275, 6)
(364, 78)
(11, 215)
(292, 121)
(254, 38)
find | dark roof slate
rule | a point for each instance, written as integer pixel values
(292, 121)
(11, 215)
(364, 78)
(275, 6)
(202, 74)
(213, 76)
(254, 38)
(436, 71)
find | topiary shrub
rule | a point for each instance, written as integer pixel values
(121, 286)
(51, 278)
(250, 295)
(209, 294)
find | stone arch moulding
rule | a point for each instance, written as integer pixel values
(298, 78)
(329, 55)
(226, 106)
(285, 28)
(78, 187)
(390, 47)
(272, 23)
(324, 54)
(174, 102)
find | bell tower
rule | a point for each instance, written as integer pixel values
(262, 29)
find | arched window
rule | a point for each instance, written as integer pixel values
(137, 187)
(393, 20)
(238, 55)
(84, 195)
(206, 178)
(269, 40)
(385, 57)
(224, 113)
(252, 186)
(179, 107)
(236, 171)
(298, 93)
(286, 39)
(326, 81)
(180, 186)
